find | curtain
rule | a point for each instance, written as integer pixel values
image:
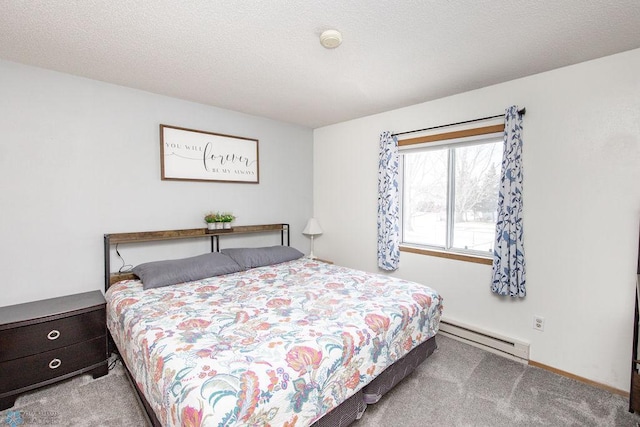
(388, 203)
(508, 256)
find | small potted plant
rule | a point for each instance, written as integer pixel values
(211, 219)
(227, 219)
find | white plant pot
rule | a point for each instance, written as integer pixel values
(219, 225)
(227, 225)
(211, 226)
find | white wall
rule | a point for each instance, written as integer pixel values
(581, 211)
(80, 158)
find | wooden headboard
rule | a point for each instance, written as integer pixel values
(192, 233)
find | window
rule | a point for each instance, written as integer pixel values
(450, 193)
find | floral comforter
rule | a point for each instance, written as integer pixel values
(279, 345)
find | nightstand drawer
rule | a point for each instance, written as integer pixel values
(40, 337)
(19, 373)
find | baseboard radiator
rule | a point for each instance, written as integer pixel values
(486, 340)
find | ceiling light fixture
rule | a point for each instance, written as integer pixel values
(331, 39)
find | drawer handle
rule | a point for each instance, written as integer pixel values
(53, 335)
(55, 363)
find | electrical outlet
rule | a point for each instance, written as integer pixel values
(538, 323)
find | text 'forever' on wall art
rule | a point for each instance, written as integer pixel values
(194, 155)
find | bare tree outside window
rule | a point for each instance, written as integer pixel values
(425, 201)
(476, 196)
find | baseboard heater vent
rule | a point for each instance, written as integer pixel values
(508, 347)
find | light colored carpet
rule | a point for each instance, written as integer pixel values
(79, 402)
(458, 385)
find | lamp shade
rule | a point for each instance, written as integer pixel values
(312, 228)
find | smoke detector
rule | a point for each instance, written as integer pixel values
(331, 39)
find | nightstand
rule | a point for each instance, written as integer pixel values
(46, 341)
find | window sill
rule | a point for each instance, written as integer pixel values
(450, 255)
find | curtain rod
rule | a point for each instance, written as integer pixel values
(521, 111)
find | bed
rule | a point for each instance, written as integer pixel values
(282, 341)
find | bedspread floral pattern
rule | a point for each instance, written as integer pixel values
(278, 346)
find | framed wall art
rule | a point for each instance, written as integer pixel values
(195, 155)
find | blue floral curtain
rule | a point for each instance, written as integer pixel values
(508, 256)
(388, 204)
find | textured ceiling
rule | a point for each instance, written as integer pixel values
(264, 57)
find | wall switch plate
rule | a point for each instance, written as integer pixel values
(538, 323)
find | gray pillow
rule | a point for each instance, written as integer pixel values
(164, 273)
(258, 257)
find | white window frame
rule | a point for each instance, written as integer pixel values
(447, 251)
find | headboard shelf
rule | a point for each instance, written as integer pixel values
(190, 233)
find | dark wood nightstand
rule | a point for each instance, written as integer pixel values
(46, 341)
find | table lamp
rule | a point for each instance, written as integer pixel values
(312, 229)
